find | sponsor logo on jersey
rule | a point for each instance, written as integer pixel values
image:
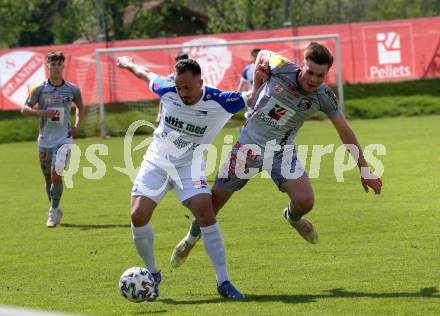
(187, 127)
(283, 142)
(274, 113)
(233, 99)
(330, 94)
(278, 89)
(277, 112)
(304, 104)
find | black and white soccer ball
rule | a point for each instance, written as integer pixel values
(136, 284)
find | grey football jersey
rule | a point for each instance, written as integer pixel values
(281, 106)
(56, 130)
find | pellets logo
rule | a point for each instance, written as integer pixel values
(389, 52)
(388, 48)
(21, 70)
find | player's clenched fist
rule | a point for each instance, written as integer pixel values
(123, 61)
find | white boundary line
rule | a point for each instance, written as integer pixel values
(18, 311)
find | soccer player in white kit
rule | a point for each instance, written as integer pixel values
(54, 97)
(192, 115)
(284, 96)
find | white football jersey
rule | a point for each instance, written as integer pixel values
(184, 127)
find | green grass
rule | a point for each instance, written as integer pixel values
(379, 255)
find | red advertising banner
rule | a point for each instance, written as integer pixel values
(371, 52)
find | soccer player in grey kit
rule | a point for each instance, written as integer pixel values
(283, 97)
(54, 97)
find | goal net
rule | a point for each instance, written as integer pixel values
(123, 98)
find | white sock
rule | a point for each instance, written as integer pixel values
(143, 238)
(214, 246)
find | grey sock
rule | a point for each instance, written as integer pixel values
(56, 190)
(195, 229)
(292, 216)
(48, 191)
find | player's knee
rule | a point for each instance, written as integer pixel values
(137, 217)
(205, 218)
(48, 178)
(55, 177)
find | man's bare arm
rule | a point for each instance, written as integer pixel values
(368, 179)
(139, 71)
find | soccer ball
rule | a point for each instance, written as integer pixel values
(136, 284)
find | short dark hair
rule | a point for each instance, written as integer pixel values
(55, 56)
(319, 54)
(181, 55)
(255, 52)
(188, 65)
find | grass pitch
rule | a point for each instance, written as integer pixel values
(378, 254)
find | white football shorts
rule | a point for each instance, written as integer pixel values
(153, 181)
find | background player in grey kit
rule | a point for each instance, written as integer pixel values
(284, 96)
(54, 98)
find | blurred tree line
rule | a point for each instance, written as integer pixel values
(46, 22)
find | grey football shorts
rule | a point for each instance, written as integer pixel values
(239, 169)
(53, 156)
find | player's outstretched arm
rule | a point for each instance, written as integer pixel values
(261, 72)
(261, 69)
(139, 71)
(368, 179)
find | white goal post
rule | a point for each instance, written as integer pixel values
(105, 57)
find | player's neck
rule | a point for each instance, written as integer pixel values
(200, 95)
(56, 81)
(198, 99)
